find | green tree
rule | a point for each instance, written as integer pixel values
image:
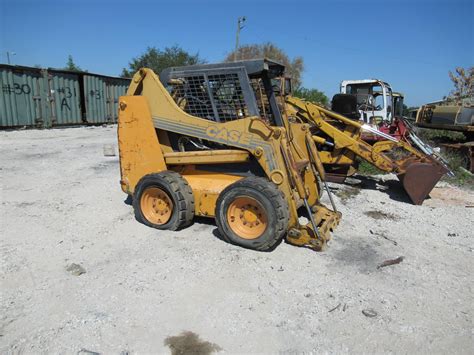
(408, 109)
(70, 65)
(405, 110)
(463, 80)
(157, 60)
(312, 95)
(294, 67)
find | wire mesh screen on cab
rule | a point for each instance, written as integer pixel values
(217, 97)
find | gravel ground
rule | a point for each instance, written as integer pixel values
(138, 290)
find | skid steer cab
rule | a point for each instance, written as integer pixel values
(211, 140)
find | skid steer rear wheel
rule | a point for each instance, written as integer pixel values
(164, 201)
(252, 213)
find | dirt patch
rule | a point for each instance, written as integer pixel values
(38, 156)
(107, 164)
(190, 343)
(376, 214)
(353, 253)
(346, 193)
(449, 195)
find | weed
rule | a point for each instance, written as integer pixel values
(457, 161)
(367, 169)
(436, 136)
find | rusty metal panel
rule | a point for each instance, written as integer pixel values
(23, 98)
(65, 98)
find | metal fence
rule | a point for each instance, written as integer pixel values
(35, 97)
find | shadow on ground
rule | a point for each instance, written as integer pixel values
(393, 188)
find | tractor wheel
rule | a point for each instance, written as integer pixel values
(164, 201)
(252, 213)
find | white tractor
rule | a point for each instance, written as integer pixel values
(374, 99)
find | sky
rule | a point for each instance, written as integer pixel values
(410, 44)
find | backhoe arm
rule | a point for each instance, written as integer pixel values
(418, 172)
(321, 118)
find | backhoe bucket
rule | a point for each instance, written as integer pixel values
(420, 178)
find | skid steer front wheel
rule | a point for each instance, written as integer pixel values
(164, 201)
(252, 213)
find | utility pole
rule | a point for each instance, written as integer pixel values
(8, 56)
(240, 25)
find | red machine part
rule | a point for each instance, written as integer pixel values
(397, 129)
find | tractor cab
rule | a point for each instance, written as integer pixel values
(397, 104)
(228, 91)
(373, 98)
(372, 102)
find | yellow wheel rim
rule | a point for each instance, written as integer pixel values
(247, 218)
(156, 205)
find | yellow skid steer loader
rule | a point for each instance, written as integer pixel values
(204, 146)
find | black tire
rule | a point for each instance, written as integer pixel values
(269, 197)
(177, 189)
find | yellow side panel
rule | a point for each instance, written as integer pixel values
(207, 157)
(140, 150)
(206, 189)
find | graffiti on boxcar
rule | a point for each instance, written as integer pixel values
(96, 94)
(36, 97)
(67, 91)
(17, 89)
(64, 104)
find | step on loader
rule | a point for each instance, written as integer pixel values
(204, 145)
